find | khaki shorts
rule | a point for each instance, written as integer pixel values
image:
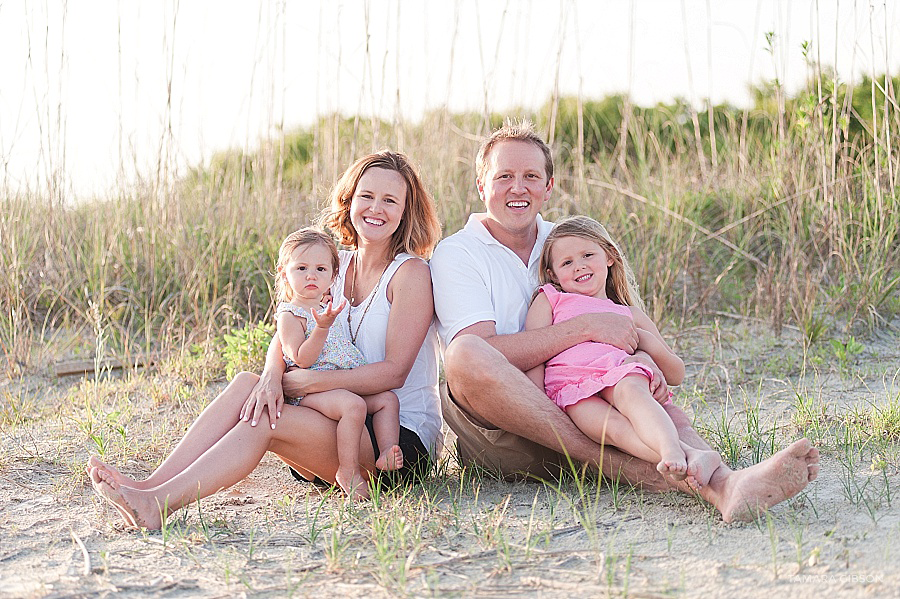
(509, 455)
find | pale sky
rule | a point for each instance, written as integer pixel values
(83, 83)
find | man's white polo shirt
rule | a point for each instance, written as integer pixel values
(476, 278)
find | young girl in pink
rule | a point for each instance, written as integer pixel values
(583, 271)
(307, 264)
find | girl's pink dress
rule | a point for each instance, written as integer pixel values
(587, 368)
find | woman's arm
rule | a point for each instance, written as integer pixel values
(655, 346)
(412, 311)
(540, 315)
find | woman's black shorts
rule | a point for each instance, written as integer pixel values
(416, 460)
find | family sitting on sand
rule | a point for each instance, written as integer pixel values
(533, 317)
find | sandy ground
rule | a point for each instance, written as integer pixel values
(470, 535)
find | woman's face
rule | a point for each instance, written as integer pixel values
(377, 205)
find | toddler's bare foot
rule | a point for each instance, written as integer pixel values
(390, 459)
(125, 500)
(701, 463)
(673, 467)
(352, 483)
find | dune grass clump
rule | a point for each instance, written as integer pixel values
(787, 212)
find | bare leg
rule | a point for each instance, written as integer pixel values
(385, 410)
(303, 436)
(216, 420)
(631, 396)
(349, 411)
(606, 425)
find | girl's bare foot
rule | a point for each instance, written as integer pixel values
(673, 465)
(351, 483)
(390, 459)
(701, 463)
(126, 501)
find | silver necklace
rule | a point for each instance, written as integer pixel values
(354, 334)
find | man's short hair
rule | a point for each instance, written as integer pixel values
(513, 131)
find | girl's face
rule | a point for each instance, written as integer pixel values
(309, 272)
(580, 266)
(377, 205)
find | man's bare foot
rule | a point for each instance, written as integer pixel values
(95, 462)
(125, 500)
(673, 467)
(390, 459)
(701, 464)
(749, 492)
(351, 483)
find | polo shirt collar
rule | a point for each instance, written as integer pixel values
(476, 227)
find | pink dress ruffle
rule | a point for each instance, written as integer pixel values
(585, 369)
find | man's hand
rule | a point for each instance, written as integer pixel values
(613, 329)
(659, 389)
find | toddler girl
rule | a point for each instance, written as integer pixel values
(583, 271)
(307, 264)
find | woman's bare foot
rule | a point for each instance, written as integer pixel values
(351, 483)
(390, 459)
(127, 501)
(701, 463)
(96, 479)
(113, 474)
(749, 492)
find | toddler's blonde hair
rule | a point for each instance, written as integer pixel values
(300, 238)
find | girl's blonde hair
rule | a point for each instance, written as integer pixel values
(419, 229)
(621, 286)
(300, 238)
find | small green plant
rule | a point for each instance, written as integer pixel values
(245, 348)
(810, 415)
(844, 351)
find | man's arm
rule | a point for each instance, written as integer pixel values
(529, 348)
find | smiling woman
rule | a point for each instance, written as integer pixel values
(382, 211)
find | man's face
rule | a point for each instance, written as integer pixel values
(514, 187)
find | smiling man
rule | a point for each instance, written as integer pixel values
(484, 277)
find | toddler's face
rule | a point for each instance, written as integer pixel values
(309, 272)
(580, 266)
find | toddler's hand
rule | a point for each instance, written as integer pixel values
(326, 318)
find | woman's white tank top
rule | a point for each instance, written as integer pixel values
(420, 404)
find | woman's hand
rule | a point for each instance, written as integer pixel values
(267, 393)
(326, 318)
(299, 382)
